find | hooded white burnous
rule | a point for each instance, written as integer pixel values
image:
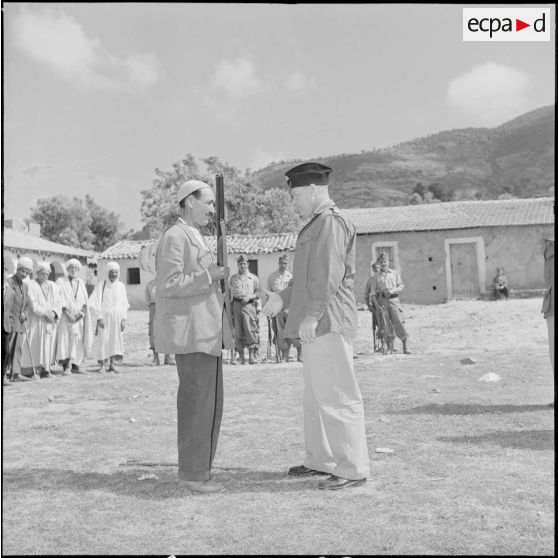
(109, 308)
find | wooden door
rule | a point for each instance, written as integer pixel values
(464, 269)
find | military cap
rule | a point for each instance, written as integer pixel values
(190, 187)
(308, 173)
(242, 258)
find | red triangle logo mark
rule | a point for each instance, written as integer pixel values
(519, 25)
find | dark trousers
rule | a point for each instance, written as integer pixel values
(9, 344)
(199, 404)
(499, 291)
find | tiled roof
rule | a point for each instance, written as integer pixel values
(236, 244)
(424, 217)
(23, 241)
(452, 215)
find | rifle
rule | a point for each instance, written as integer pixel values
(221, 231)
(269, 339)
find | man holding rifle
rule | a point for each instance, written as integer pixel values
(189, 324)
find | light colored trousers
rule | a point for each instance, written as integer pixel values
(334, 434)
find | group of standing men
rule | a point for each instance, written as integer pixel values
(382, 296)
(246, 293)
(45, 322)
(322, 317)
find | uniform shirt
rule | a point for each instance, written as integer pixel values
(390, 279)
(244, 285)
(323, 275)
(500, 281)
(278, 281)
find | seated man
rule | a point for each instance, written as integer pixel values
(500, 284)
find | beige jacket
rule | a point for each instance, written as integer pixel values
(189, 306)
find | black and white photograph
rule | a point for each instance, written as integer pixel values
(278, 279)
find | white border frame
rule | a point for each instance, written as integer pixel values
(481, 260)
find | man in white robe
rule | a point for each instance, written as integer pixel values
(46, 309)
(109, 308)
(74, 329)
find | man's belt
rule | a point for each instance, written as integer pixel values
(242, 302)
(393, 296)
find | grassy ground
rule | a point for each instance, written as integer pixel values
(472, 470)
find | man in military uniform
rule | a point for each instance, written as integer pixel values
(389, 285)
(277, 282)
(323, 315)
(244, 287)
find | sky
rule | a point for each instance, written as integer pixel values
(98, 96)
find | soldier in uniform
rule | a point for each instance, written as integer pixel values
(244, 287)
(323, 315)
(389, 285)
(277, 282)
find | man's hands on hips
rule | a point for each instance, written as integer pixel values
(307, 330)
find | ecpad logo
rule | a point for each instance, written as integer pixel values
(507, 24)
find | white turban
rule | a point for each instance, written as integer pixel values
(43, 266)
(111, 266)
(25, 263)
(189, 188)
(74, 262)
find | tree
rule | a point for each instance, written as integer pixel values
(77, 223)
(249, 209)
(64, 220)
(104, 225)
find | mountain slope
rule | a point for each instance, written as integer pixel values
(516, 157)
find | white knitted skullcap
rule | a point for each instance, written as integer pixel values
(189, 188)
(43, 266)
(73, 261)
(25, 263)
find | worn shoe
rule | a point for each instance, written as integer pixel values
(75, 369)
(45, 374)
(337, 483)
(203, 487)
(303, 471)
(5, 381)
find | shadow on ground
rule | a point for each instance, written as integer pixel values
(540, 440)
(127, 483)
(463, 409)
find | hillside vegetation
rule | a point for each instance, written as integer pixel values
(515, 159)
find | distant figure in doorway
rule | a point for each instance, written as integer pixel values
(500, 284)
